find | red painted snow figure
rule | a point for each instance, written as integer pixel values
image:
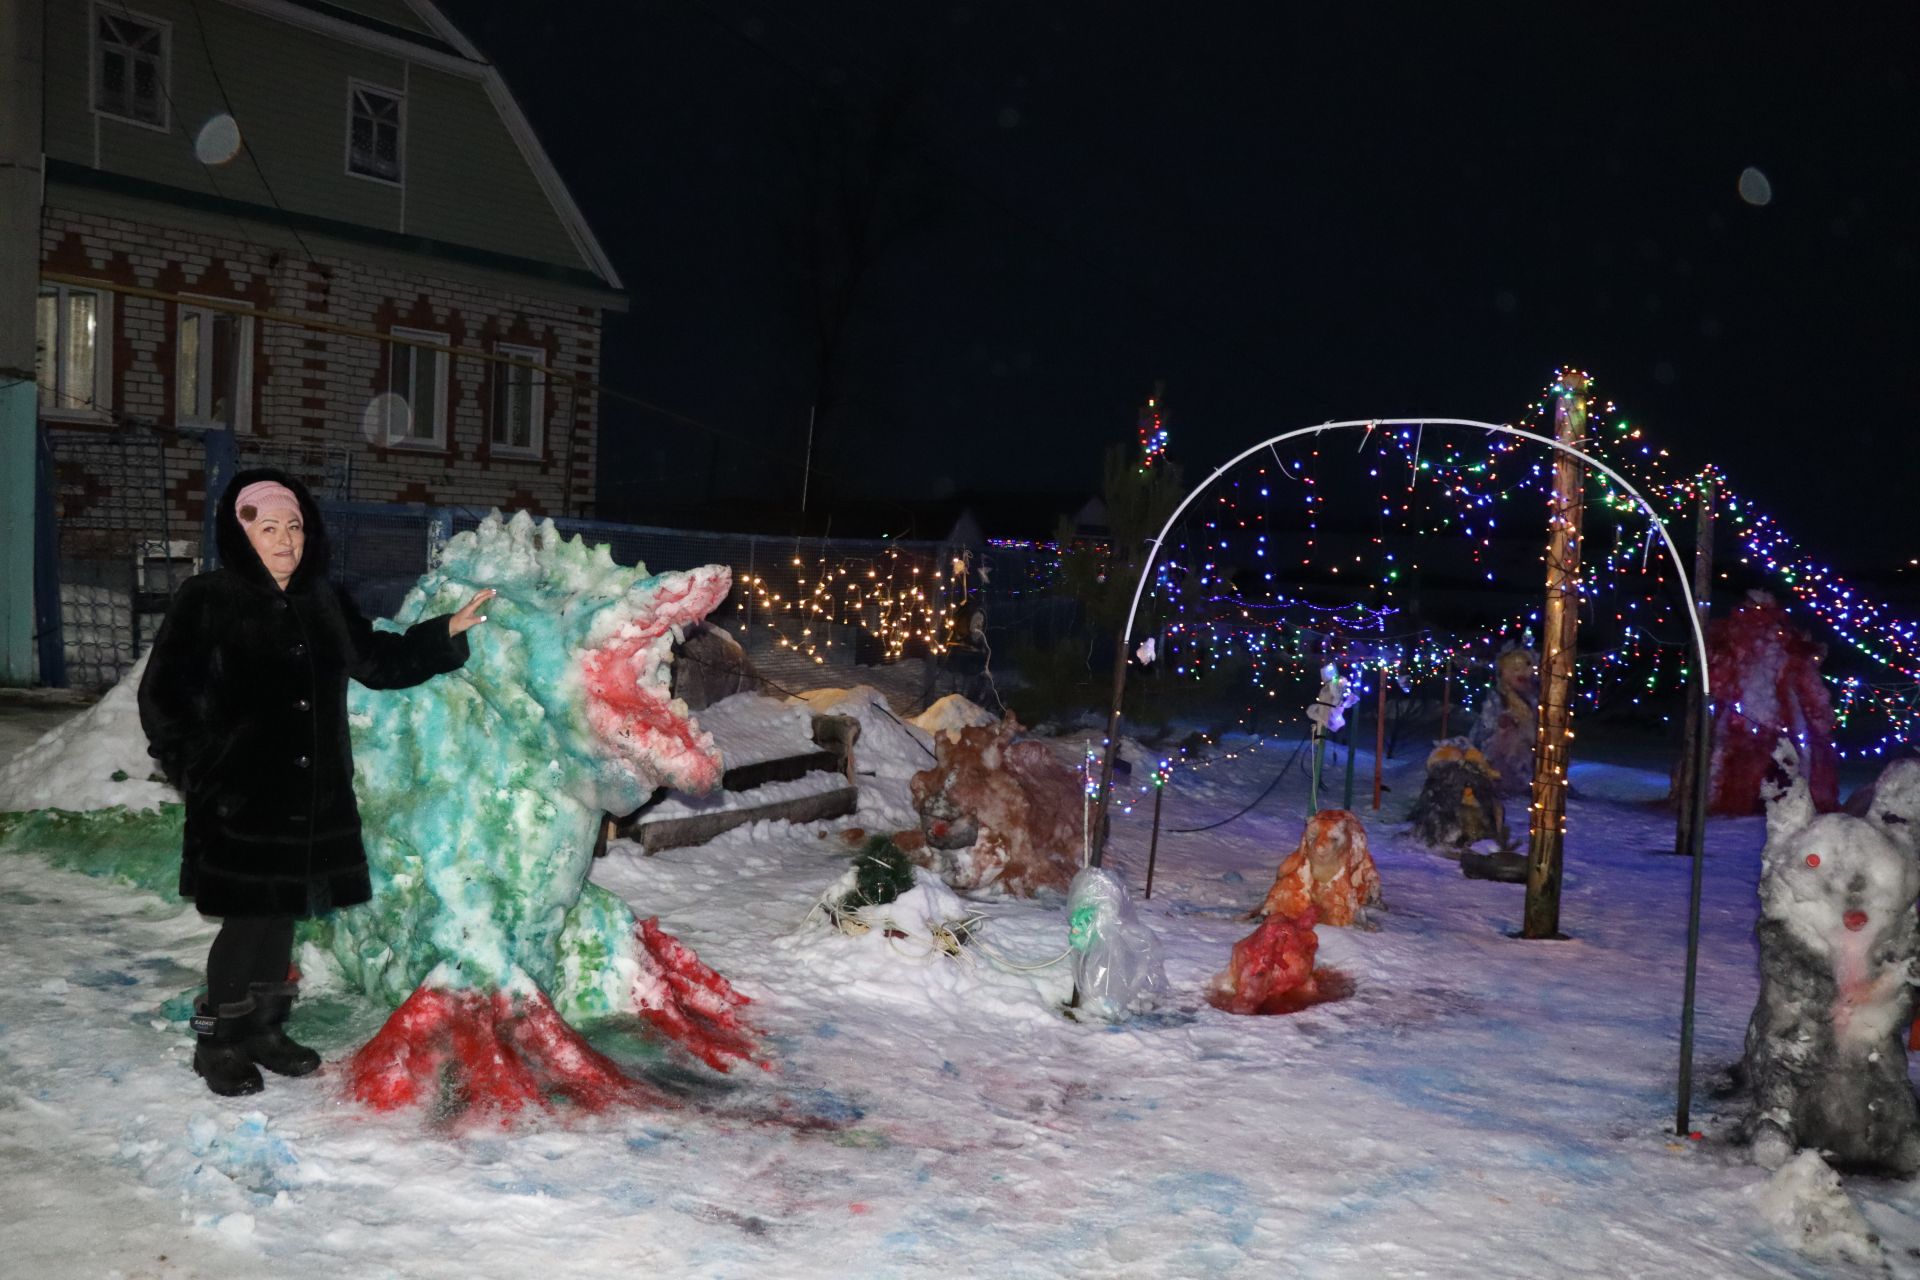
(691, 1003)
(1272, 971)
(1329, 874)
(461, 1049)
(1766, 682)
(485, 790)
(996, 811)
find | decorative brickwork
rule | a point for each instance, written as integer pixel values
(313, 392)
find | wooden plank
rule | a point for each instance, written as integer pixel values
(677, 833)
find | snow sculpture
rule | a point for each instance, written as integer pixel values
(481, 794)
(1766, 682)
(997, 811)
(1507, 725)
(1329, 873)
(1459, 803)
(1328, 714)
(1117, 969)
(1271, 970)
(1826, 1053)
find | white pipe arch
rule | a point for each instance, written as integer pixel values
(1680, 570)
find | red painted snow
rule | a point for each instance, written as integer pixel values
(624, 704)
(487, 1051)
(493, 1051)
(1766, 682)
(1272, 971)
(691, 1003)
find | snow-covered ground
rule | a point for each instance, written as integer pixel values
(1479, 1107)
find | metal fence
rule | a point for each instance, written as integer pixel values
(802, 607)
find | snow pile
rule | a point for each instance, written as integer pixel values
(889, 748)
(953, 713)
(751, 728)
(1804, 1203)
(96, 760)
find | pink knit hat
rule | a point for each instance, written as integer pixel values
(262, 496)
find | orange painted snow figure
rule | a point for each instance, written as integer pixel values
(995, 811)
(1766, 682)
(1272, 971)
(1329, 873)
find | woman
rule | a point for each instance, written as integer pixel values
(244, 703)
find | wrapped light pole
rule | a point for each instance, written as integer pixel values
(1559, 624)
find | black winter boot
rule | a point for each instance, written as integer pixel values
(267, 1042)
(220, 1055)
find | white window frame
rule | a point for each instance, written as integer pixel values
(63, 406)
(165, 28)
(356, 87)
(497, 443)
(441, 368)
(242, 367)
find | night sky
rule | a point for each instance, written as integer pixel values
(1015, 218)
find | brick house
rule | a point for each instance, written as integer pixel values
(325, 226)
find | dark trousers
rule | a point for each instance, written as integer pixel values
(248, 950)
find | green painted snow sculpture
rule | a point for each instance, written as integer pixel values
(481, 793)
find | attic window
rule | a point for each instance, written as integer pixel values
(374, 118)
(130, 67)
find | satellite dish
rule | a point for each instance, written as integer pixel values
(218, 140)
(387, 417)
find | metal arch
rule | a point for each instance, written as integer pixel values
(1701, 779)
(1680, 569)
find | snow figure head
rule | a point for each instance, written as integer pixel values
(481, 791)
(1834, 880)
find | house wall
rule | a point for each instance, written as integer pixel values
(312, 390)
(466, 181)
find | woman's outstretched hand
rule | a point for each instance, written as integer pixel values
(469, 615)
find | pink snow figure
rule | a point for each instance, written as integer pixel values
(1272, 971)
(1330, 874)
(1766, 682)
(995, 811)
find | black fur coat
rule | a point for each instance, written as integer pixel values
(244, 704)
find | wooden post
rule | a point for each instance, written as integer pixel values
(1153, 843)
(1685, 782)
(1560, 622)
(1379, 734)
(1446, 696)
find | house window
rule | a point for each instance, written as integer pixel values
(72, 351)
(415, 404)
(374, 120)
(213, 369)
(130, 67)
(519, 401)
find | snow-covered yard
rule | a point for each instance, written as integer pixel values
(1479, 1106)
